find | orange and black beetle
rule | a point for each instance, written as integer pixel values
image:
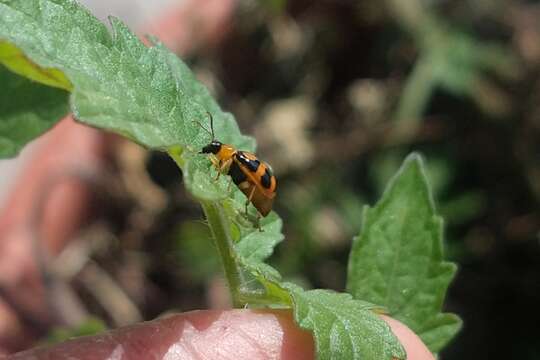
(252, 176)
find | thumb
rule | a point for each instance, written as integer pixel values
(212, 334)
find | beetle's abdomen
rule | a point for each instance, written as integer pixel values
(236, 174)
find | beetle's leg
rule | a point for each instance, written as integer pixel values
(214, 160)
(216, 163)
(259, 222)
(229, 185)
(223, 167)
(250, 197)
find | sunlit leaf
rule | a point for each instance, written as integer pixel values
(397, 260)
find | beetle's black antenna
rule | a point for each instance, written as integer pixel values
(211, 133)
(211, 124)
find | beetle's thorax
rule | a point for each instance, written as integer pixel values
(226, 152)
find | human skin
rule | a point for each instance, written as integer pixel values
(211, 334)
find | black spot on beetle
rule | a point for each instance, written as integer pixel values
(237, 174)
(252, 165)
(266, 179)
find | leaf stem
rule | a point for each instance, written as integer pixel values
(219, 226)
(224, 244)
(263, 299)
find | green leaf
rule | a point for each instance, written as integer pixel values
(91, 326)
(397, 260)
(344, 328)
(257, 246)
(144, 93)
(15, 60)
(28, 110)
(269, 278)
(147, 94)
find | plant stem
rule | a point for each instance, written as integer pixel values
(263, 299)
(219, 226)
(224, 244)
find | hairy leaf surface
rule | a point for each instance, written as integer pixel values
(397, 260)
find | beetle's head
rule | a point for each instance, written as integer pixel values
(213, 147)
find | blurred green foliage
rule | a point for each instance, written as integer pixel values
(91, 326)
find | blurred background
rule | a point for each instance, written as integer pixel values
(337, 93)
